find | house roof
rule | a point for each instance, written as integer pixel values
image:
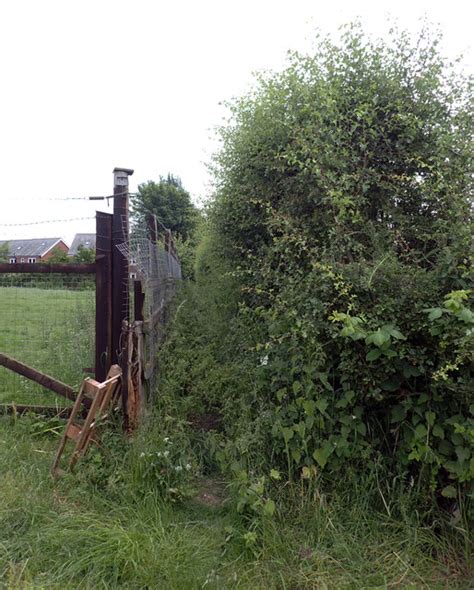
(35, 247)
(84, 240)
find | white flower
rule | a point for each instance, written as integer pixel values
(158, 454)
(354, 417)
(142, 454)
(178, 468)
(166, 453)
(264, 361)
(188, 466)
(166, 439)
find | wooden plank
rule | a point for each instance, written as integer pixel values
(38, 377)
(103, 295)
(45, 268)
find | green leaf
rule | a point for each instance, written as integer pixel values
(466, 316)
(398, 413)
(296, 387)
(288, 434)
(379, 337)
(449, 492)
(281, 393)
(373, 354)
(269, 508)
(308, 406)
(430, 418)
(438, 431)
(463, 453)
(435, 313)
(421, 431)
(393, 331)
(296, 454)
(275, 474)
(321, 455)
(323, 377)
(322, 404)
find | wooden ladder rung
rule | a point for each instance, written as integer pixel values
(102, 395)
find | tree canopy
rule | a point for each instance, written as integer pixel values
(4, 252)
(169, 201)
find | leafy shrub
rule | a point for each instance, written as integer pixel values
(343, 212)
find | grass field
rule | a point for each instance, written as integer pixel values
(51, 329)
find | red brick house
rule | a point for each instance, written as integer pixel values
(36, 250)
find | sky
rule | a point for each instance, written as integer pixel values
(90, 85)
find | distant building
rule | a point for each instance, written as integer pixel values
(36, 250)
(82, 240)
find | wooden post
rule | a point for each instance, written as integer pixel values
(120, 280)
(138, 301)
(103, 297)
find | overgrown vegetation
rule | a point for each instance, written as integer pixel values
(314, 417)
(105, 527)
(329, 331)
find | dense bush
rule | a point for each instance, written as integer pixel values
(343, 210)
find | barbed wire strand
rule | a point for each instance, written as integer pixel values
(87, 198)
(45, 221)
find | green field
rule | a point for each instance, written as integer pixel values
(50, 329)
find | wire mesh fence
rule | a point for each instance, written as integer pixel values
(48, 324)
(65, 322)
(156, 271)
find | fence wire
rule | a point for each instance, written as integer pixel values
(155, 265)
(48, 322)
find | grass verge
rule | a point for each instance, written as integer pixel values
(98, 530)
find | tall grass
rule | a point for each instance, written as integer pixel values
(100, 529)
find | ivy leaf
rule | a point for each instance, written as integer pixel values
(430, 418)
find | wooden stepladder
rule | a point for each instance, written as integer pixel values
(102, 396)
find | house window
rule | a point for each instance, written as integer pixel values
(12, 260)
(32, 260)
(22, 260)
